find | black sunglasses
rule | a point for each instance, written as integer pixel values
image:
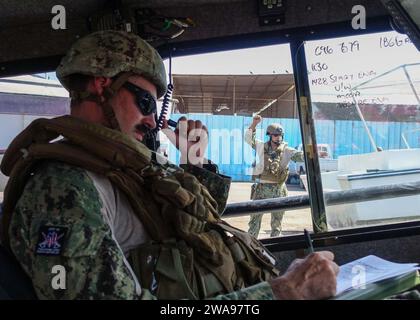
(144, 99)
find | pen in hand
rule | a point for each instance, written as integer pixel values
(308, 241)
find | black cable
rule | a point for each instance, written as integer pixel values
(166, 97)
(150, 138)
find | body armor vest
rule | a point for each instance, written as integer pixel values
(273, 170)
(192, 254)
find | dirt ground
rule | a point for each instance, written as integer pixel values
(294, 221)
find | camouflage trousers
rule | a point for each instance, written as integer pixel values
(267, 191)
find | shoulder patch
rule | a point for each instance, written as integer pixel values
(50, 240)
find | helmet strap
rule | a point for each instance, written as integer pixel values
(276, 142)
(103, 100)
(84, 95)
(112, 90)
(108, 94)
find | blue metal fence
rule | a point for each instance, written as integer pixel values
(234, 157)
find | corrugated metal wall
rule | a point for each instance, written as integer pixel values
(228, 149)
(234, 157)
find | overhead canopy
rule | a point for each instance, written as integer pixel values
(236, 94)
(32, 43)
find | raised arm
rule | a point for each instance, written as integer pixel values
(296, 155)
(250, 132)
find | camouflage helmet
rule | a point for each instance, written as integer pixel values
(275, 128)
(108, 53)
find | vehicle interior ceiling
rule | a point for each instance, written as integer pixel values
(30, 45)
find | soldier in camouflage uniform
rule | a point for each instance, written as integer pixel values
(92, 213)
(275, 157)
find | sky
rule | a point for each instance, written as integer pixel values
(262, 60)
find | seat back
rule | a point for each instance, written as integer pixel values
(14, 283)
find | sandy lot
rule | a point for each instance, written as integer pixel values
(294, 221)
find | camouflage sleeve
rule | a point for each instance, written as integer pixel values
(58, 222)
(217, 184)
(260, 291)
(297, 156)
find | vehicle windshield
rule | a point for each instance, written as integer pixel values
(368, 111)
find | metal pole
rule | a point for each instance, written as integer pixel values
(372, 141)
(411, 84)
(405, 140)
(234, 96)
(275, 100)
(319, 219)
(331, 198)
